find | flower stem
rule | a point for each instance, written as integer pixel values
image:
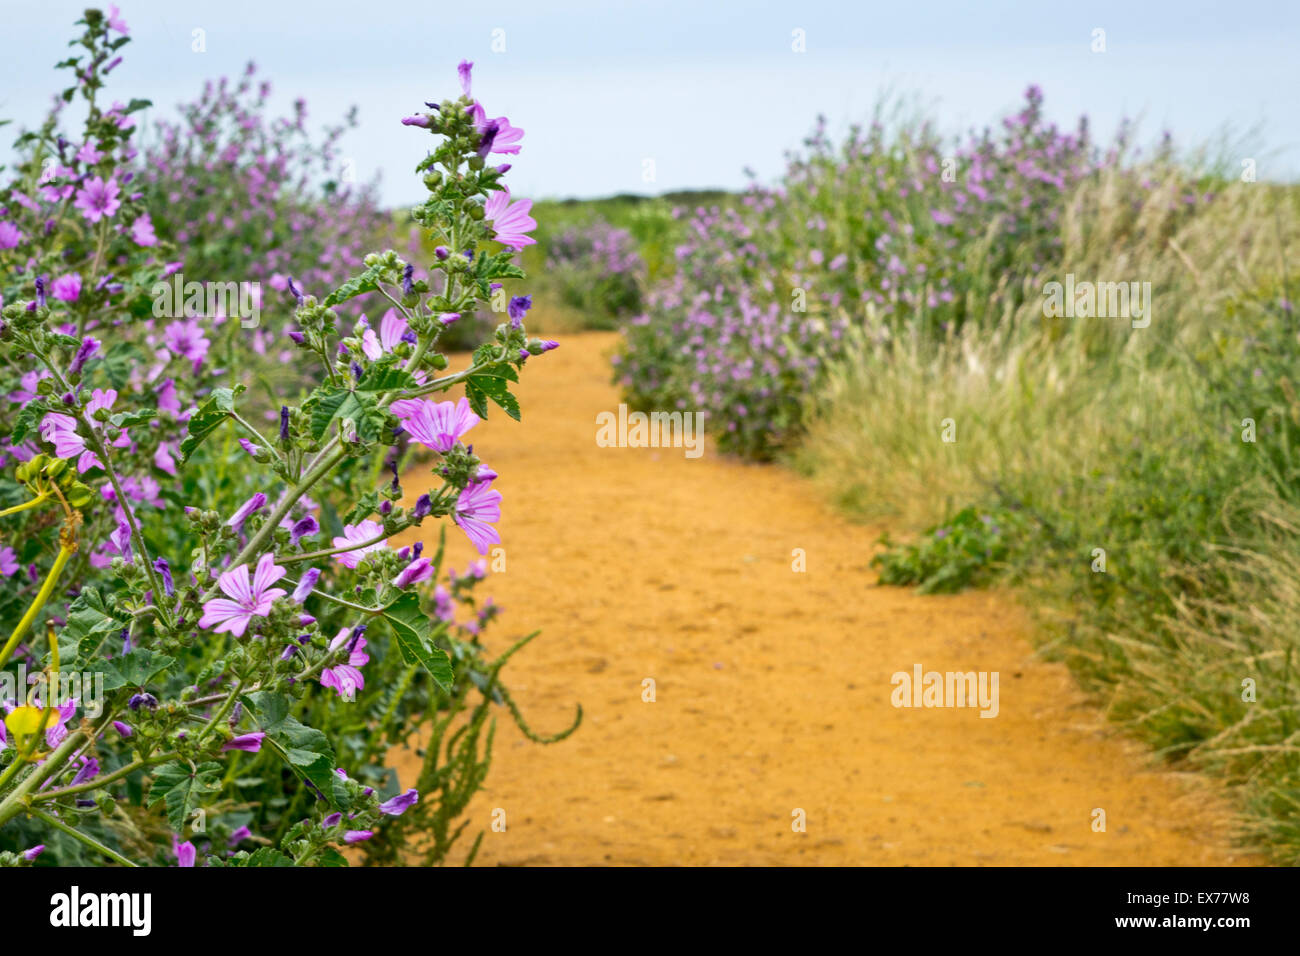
(78, 835)
(38, 602)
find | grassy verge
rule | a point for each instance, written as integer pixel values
(1150, 478)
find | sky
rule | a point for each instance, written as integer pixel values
(650, 97)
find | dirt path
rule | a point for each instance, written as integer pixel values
(772, 687)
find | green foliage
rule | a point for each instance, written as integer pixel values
(965, 551)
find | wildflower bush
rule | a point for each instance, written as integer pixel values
(597, 270)
(213, 642)
(254, 197)
(1150, 471)
(879, 234)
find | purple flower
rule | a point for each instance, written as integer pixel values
(87, 348)
(185, 339)
(162, 567)
(123, 730)
(98, 199)
(284, 423)
(31, 855)
(357, 836)
(302, 528)
(418, 119)
(239, 836)
(400, 803)
(147, 701)
(66, 288)
(185, 853)
(423, 507)
(464, 71)
(89, 771)
(248, 743)
(305, 584)
(10, 235)
(248, 508)
(346, 679)
(246, 599)
(142, 232)
(477, 507)
(518, 308)
(510, 220)
(418, 570)
(61, 431)
(358, 534)
(437, 425)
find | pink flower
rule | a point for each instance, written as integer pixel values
(115, 21)
(249, 743)
(359, 533)
(66, 288)
(61, 431)
(477, 507)
(437, 425)
(8, 561)
(142, 232)
(185, 339)
(421, 569)
(185, 852)
(505, 138)
(10, 235)
(391, 329)
(510, 220)
(246, 600)
(89, 155)
(346, 679)
(98, 199)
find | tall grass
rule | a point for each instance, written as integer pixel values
(1130, 440)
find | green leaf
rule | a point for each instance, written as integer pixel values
(88, 625)
(181, 788)
(340, 404)
(135, 669)
(493, 384)
(306, 750)
(268, 856)
(414, 632)
(331, 857)
(210, 416)
(385, 378)
(25, 422)
(368, 281)
(131, 419)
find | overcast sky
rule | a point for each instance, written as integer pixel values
(703, 89)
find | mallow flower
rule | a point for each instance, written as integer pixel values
(245, 599)
(358, 534)
(510, 220)
(437, 425)
(477, 508)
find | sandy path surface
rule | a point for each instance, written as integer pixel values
(772, 688)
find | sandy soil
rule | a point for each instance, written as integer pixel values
(772, 687)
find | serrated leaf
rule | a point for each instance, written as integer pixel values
(306, 750)
(209, 417)
(414, 632)
(268, 856)
(492, 384)
(368, 281)
(135, 669)
(181, 788)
